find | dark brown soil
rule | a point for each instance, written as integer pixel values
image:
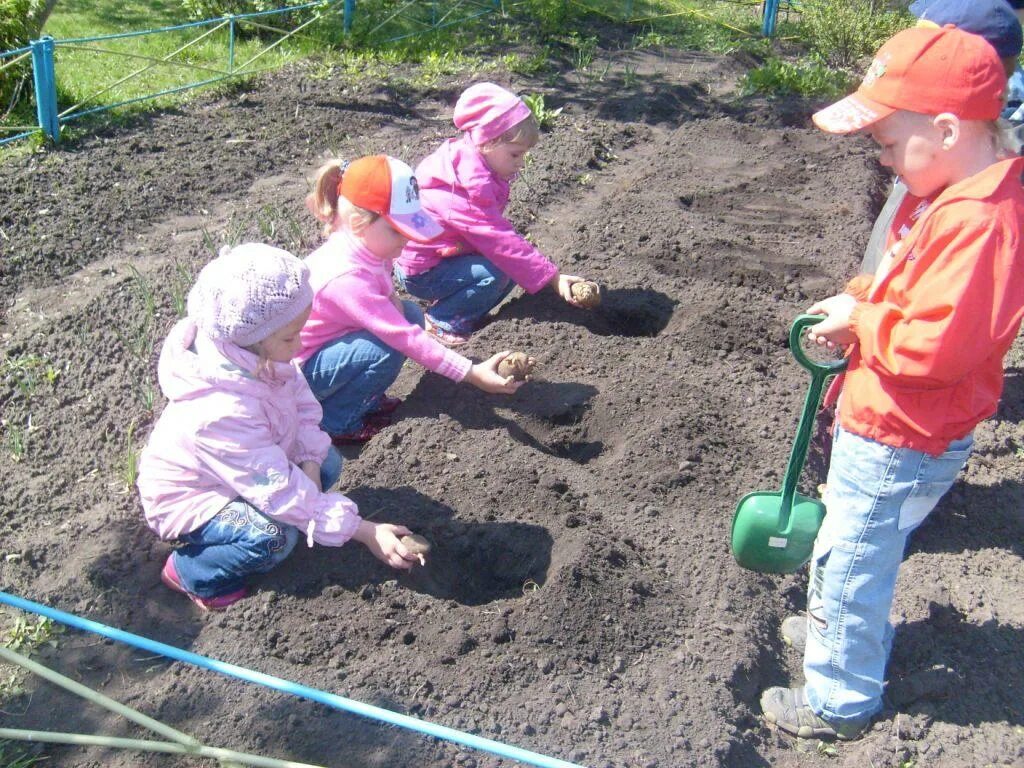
(580, 599)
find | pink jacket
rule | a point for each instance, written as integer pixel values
(353, 292)
(468, 199)
(227, 433)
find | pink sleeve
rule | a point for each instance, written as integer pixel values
(485, 228)
(312, 442)
(238, 449)
(360, 300)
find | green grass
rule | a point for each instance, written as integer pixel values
(88, 74)
(16, 755)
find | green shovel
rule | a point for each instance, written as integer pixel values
(775, 532)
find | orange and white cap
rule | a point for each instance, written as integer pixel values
(386, 186)
(929, 70)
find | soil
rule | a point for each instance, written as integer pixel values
(580, 599)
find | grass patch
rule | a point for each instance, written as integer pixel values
(16, 755)
(88, 74)
(804, 78)
(25, 634)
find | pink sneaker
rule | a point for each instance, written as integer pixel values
(372, 425)
(386, 406)
(169, 576)
(448, 338)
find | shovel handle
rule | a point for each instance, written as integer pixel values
(814, 366)
(819, 373)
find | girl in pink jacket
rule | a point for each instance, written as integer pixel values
(359, 333)
(478, 257)
(237, 468)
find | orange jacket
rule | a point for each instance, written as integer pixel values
(933, 330)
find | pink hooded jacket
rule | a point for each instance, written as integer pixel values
(227, 433)
(468, 199)
(352, 291)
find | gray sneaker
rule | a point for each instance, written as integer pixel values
(794, 632)
(788, 710)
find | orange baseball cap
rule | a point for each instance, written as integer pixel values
(386, 186)
(929, 70)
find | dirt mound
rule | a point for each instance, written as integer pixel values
(580, 599)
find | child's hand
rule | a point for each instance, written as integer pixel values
(485, 376)
(382, 540)
(835, 328)
(563, 286)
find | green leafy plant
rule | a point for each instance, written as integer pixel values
(147, 394)
(844, 32)
(129, 469)
(583, 51)
(545, 117)
(181, 279)
(27, 372)
(20, 21)
(629, 76)
(211, 9)
(806, 78)
(138, 336)
(16, 438)
(26, 635)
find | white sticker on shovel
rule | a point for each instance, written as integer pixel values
(778, 543)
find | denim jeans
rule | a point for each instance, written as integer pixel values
(463, 289)
(238, 542)
(876, 496)
(349, 375)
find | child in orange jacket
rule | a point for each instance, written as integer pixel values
(926, 336)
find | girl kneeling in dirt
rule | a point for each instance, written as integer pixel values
(927, 334)
(359, 333)
(237, 468)
(479, 257)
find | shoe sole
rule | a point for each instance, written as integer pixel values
(809, 732)
(198, 601)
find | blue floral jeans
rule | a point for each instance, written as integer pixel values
(876, 496)
(219, 556)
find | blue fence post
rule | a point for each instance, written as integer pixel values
(231, 42)
(771, 12)
(350, 11)
(46, 87)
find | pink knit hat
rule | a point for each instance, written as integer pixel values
(485, 111)
(249, 292)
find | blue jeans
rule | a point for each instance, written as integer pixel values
(876, 496)
(238, 542)
(349, 375)
(463, 289)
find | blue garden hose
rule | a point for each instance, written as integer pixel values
(287, 686)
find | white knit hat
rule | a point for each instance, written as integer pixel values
(249, 292)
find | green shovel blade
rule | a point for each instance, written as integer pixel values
(774, 532)
(763, 541)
